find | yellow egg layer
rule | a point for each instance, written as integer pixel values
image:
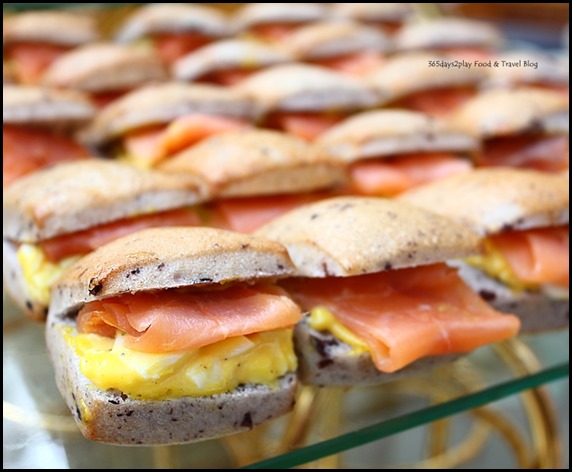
(322, 319)
(221, 367)
(493, 263)
(39, 273)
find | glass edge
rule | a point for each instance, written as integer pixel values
(402, 423)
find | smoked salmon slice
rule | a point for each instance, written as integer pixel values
(307, 126)
(407, 314)
(173, 46)
(246, 215)
(83, 242)
(32, 59)
(146, 145)
(274, 32)
(229, 77)
(438, 103)
(174, 320)
(190, 129)
(382, 177)
(26, 150)
(102, 99)
(538, 152)
(537, 256)
(356, 65)
(151, 145)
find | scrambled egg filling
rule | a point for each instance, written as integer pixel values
(493, 263)
(322, 319)
(221, 367)
(39, 273)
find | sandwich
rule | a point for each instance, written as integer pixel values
(522, 216)
(174, 29)
(524, 127)
(58, 214)
(256, 175)
(347, 47)
(379, 300)
(413, 81)
(174, 335)
(530, 68)
(228, 62)
(105, 71)
(155, 122)
(274, 22)
(390, 151)
(305, 100)
(388, 17)
(459, 38)
(38, 128)
(33, 40)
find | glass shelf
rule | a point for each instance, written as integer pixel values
(39, 432)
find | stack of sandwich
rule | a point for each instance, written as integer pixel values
(207, 211)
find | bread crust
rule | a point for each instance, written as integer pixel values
(303, 87)
(105, 67)
(371, 12)
(162, 103)
(347, 236)
(229, 54)
(550, 70)
(496, 199)
(537, 311)
(254, 14)
(447, 32)
(173, 18)
(77, 195)
(335, 38)
(257, 162)
(27, 105)
(161, 258)
(407, 73)
(385, 133)
(502, 112)
(325, 360)
(54, 27)
(113, 417)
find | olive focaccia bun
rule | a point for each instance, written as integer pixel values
(522, 216)
(39, 127)
(33, 40)
(305, 100)
(174, 335)
(524, 127)
(153, 123)
(105, 71)
(389, 151)
(380, 300)
(174, 29)
(58, 214)
(256, 175)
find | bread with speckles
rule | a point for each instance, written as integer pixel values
(345, 238)
(492, 201)
(75, 196)
(103, 67)
(257, 162)
(160, 260)
(161, 104)
(306, 88)
(385, 133)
